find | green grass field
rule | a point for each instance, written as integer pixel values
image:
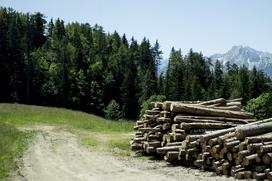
(28, 115)
(12, 144)
(92, 131)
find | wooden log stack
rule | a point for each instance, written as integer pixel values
(244, 152)
(214, 135)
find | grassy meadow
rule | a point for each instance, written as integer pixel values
(12, 145)
(93, 131)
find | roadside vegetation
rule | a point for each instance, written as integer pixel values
(12, 145)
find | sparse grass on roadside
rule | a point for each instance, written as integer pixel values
(110, 142)
(12, 145)
(28, 115)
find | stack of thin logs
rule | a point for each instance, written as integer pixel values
(244, 152)
(173, 128)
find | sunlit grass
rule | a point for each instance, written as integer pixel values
(12, 145)
(28, 115)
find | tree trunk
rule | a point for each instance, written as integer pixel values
(260, 127)
(198, 110)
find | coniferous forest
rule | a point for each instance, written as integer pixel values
(83, 67)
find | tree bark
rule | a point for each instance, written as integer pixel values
(260, 127)
(198, 110)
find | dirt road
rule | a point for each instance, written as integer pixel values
(55, 155)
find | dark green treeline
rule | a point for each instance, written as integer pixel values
(82, 67)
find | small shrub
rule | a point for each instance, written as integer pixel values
(113, 111)
(261, 106)
(147, 104)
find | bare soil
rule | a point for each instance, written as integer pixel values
(56, 155)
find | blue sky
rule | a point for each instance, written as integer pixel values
(210, 26)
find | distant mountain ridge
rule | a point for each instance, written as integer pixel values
(244, 55)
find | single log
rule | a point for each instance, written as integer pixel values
(198, 163)
(242, 146)
(154, 144)
(259, 176)
(151, 117)
(138, 126)
(213, 141)
(205, 155)
(152, 112)
(219, 170)
(140, 139)
(179, 119)
(139, 122)
(222, 138)
(223, 119)
(235, 100)
(257, 139)
(254, 147)
(269, 175)
(231, 108)
(235, 149)
(226, 165)
(171, 156)
(260, 127)
(165, 149)
(198, 110)
(267, 170)
(174, 144)
(136, 146)
(188, 126)
(266, 158)
(242, 154)
(248, 160)
(150, 150)
(232, 143)
(238, 104)
(220, 101)
(214, 134)
(218, 163)
(236, 169)
(179, 131)
(191, 138)
(158, 105)
(163, 119)
(216, 148)
(266, 148)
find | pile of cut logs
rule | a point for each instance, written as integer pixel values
(243, 152)
(214, 135)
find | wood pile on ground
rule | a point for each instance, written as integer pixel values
(215, 135)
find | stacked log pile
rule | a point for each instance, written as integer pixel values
(214, 135)
(163, 128)
(243, 152)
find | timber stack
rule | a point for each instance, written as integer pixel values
(215, 135)
(244, 152)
